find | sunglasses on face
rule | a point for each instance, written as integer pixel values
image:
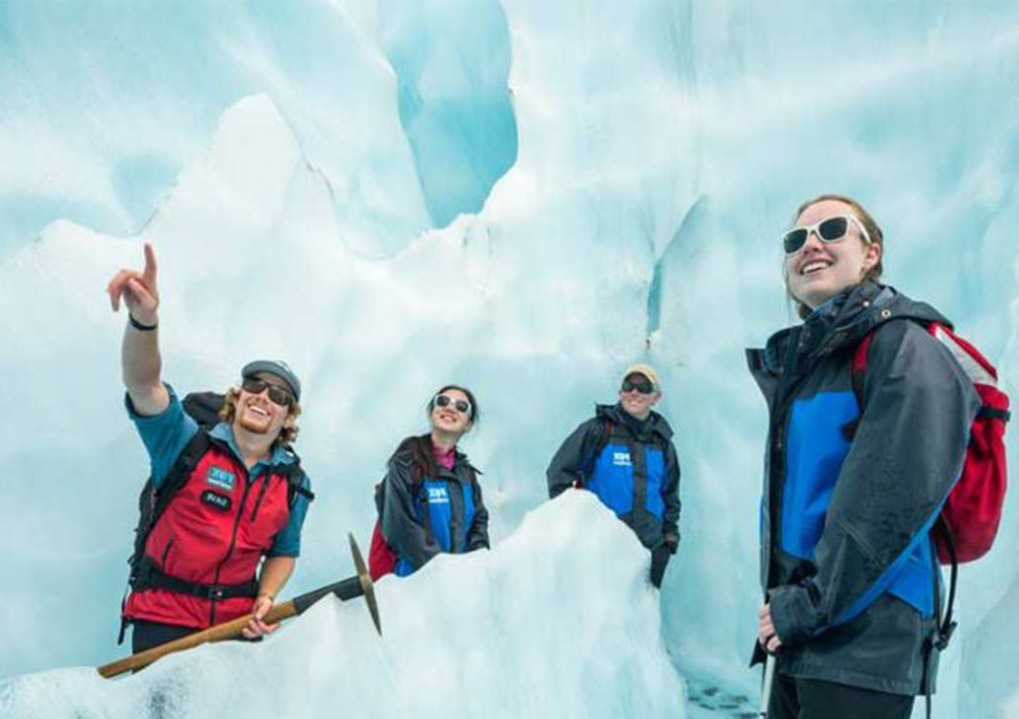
(643, 386)
(277, 395)
(460, 405)
(830, 229)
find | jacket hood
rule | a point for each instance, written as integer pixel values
(654, 424)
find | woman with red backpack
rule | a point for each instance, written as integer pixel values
(430, 500)
(855, 477)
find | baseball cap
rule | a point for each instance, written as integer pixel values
(278, 368)
(646, 370)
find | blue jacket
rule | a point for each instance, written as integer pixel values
(630, 465)
(444, 513)
(851, 493)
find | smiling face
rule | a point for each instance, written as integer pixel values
(818, 270)
(448, 419)
(257, 414)
(634, 402)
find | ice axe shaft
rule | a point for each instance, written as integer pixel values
(360, 585)
(769, 680)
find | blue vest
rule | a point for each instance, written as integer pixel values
(815, 452)
(620, 486)
(448, 531)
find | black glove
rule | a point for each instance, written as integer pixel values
(672, 541)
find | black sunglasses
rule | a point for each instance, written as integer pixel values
(643, 386)
(277, 395)
(461, 405)
(831, 229)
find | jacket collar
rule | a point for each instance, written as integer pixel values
(842, 321)
(461, 468)
(654, 424)
(224, 433)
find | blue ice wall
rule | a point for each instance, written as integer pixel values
(105, 103)
(307, 172)
(452, 61)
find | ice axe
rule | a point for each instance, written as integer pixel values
(349, 588)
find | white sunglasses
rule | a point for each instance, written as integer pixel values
(830, 229)
(460, 405)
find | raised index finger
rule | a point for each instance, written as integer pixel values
(149, 275)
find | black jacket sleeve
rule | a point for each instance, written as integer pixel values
(907, 453)
(574, 458)
(477, 535)
(400, 524)
(670, 492)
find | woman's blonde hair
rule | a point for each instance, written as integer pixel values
(877, 237)
(287, 435)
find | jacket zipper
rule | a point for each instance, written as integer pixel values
(261, 493)
(778, 470)
(452, 519)
(778, 467)
(230, 549)
(166, 553)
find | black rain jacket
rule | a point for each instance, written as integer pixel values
(578, 455)
(905, 452)
(406, 504)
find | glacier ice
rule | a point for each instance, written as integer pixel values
(660, 147)
(451, 60)
(559, 619)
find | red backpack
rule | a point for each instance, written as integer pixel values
(381, 557)
(972, 511)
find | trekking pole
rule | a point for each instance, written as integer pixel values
(769, 679)
(350, 588)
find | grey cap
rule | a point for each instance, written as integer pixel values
(278, 368)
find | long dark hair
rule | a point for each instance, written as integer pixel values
(419, 448)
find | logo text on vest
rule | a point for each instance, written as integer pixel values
(219, 477)
(215, 500)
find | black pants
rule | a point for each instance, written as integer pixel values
(812, 699)
(151, 634)
(659, 561)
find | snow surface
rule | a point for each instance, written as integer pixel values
(477, 635)
(296, 165)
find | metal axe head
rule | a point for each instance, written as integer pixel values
(366, 583)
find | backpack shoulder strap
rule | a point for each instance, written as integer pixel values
(858, 368)
(295, 482)
(203, 407)
(603, 435)
(178, 475)
(153, 501)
